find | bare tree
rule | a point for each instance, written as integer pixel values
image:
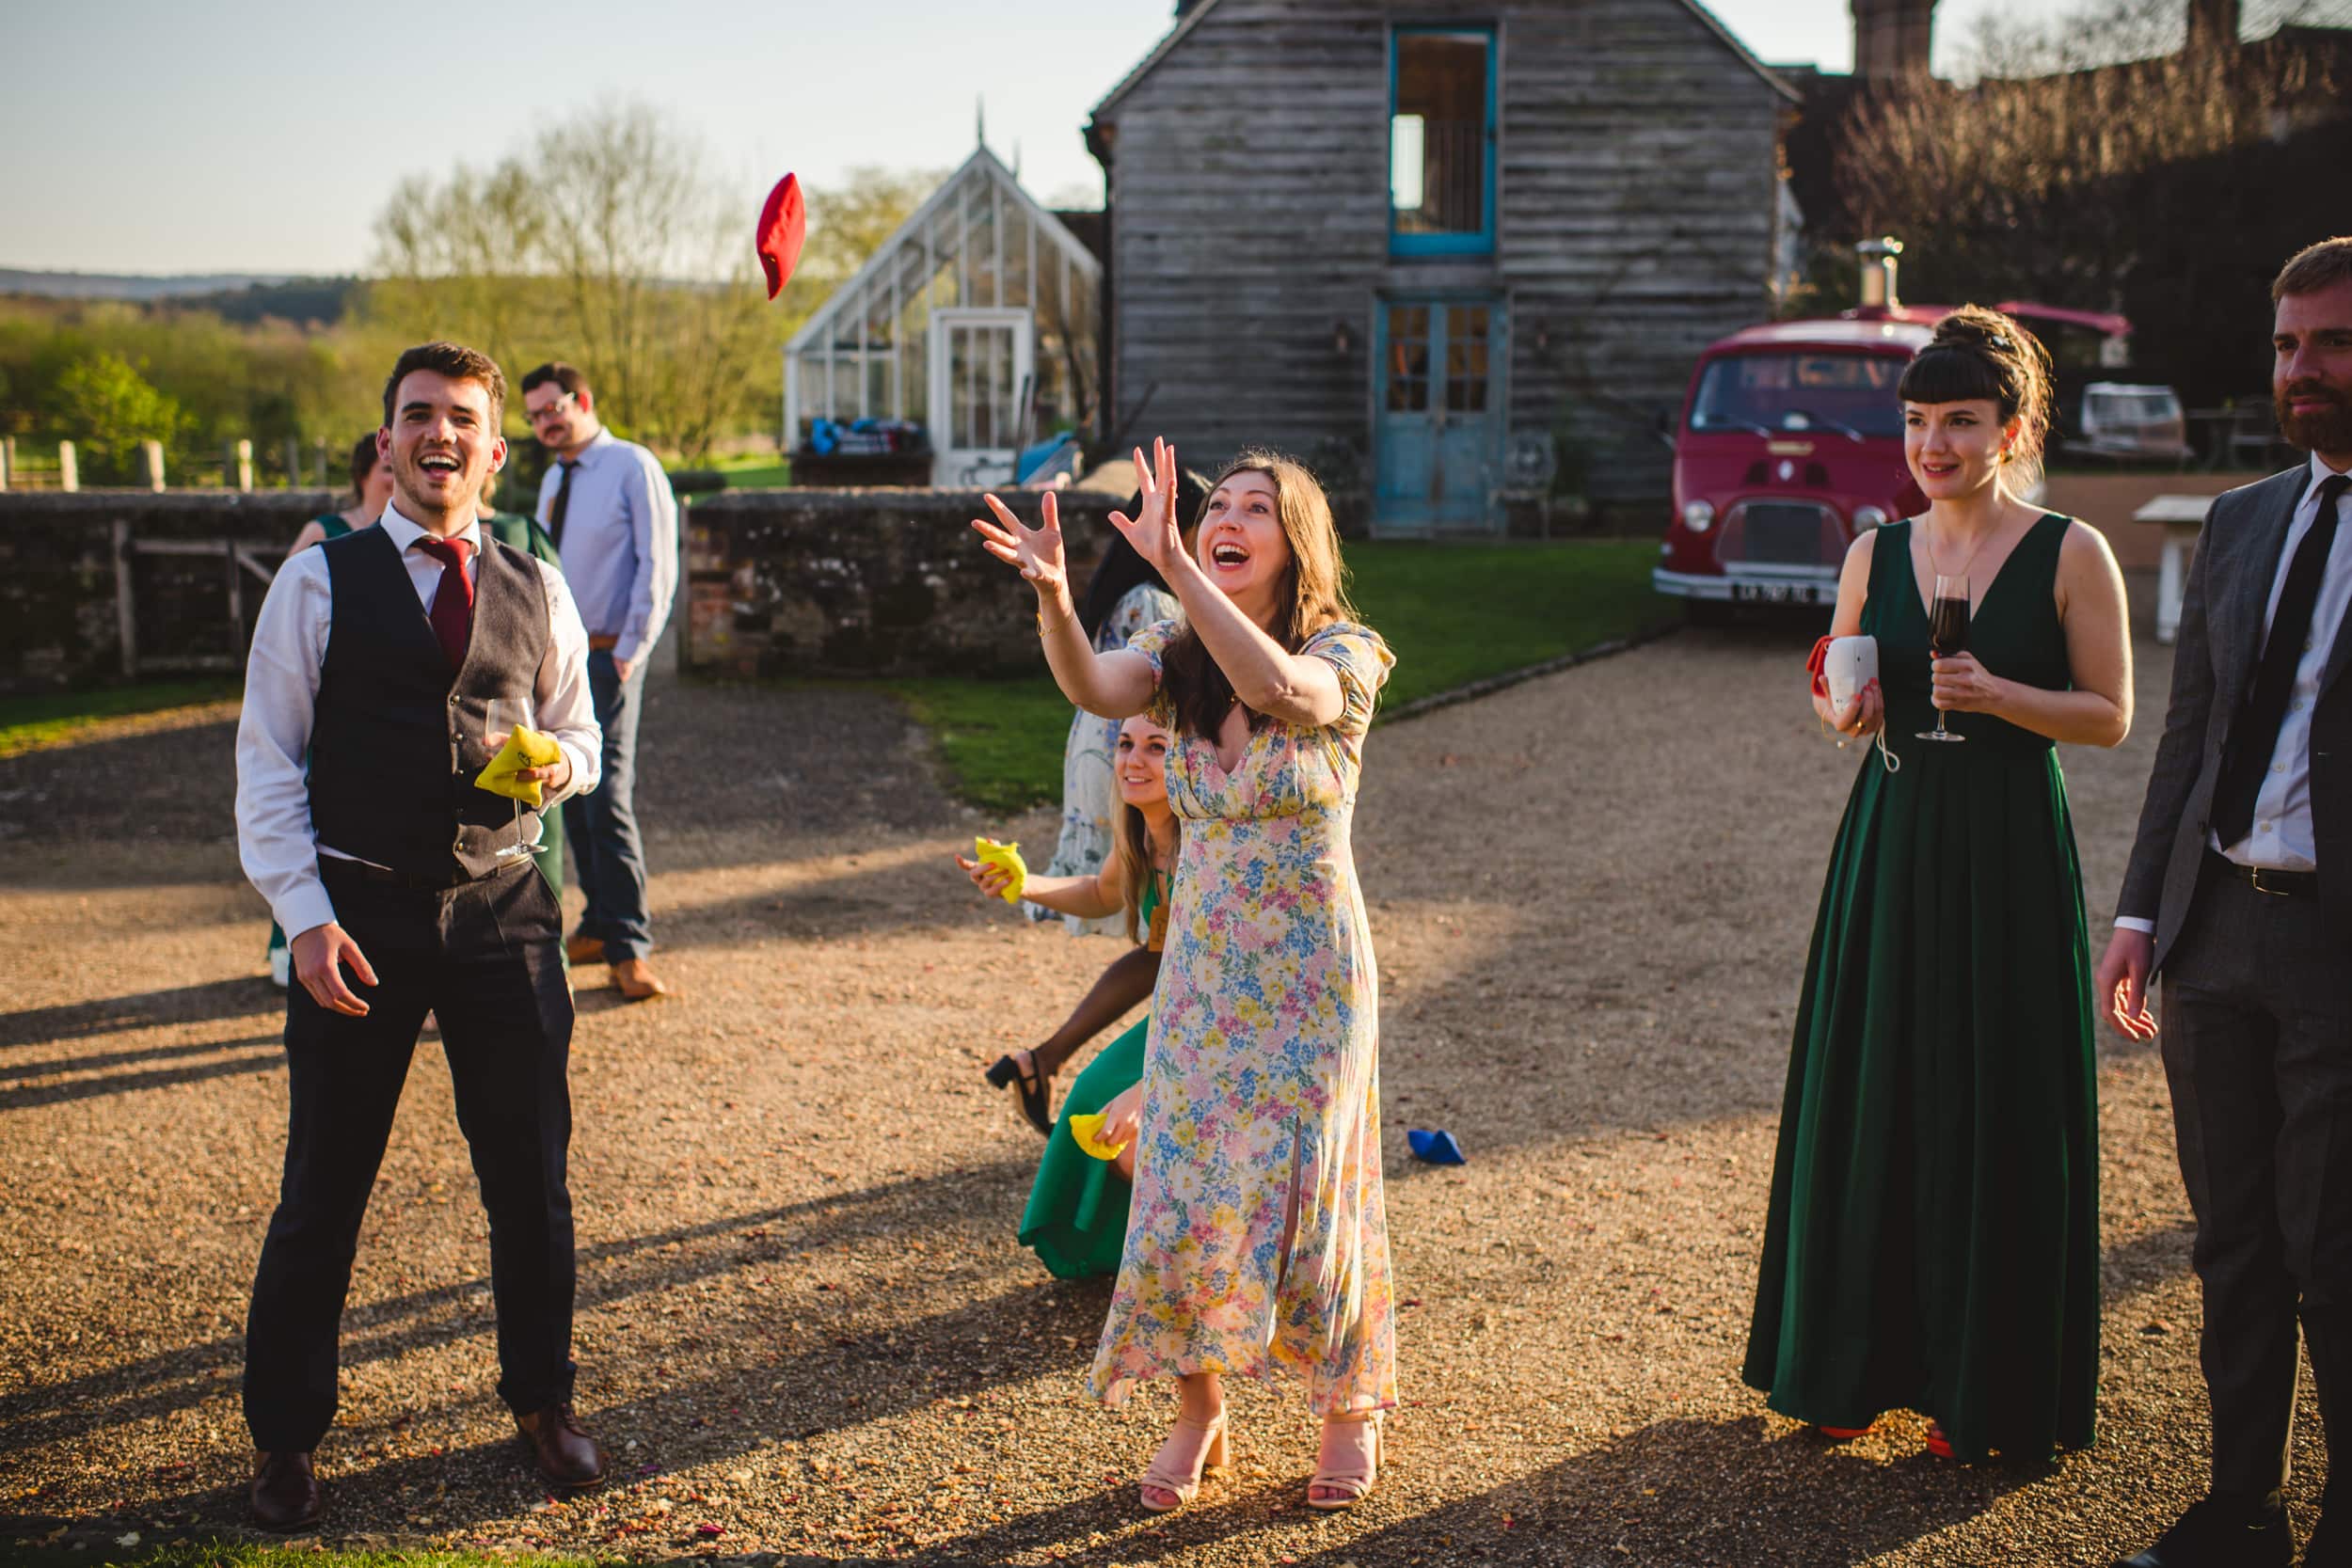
(610, 244)
(2098, 162)
(2036, 174)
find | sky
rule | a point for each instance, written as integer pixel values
(264, 136)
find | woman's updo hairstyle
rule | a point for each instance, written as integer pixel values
(1982, 355)
(363, 460)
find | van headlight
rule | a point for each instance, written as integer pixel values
(1868, 517)
(1698, 517)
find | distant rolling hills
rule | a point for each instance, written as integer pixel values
(238, 296)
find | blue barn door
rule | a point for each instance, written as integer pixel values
(1437, 429)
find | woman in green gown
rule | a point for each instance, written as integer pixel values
(1076, 1219)
(1933, 1235)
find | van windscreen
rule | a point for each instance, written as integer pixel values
(1778, 394)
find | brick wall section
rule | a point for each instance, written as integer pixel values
(58, 579)
(864, 583)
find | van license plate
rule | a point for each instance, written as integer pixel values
(1775, 592)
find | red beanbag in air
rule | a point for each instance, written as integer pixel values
(782, 225)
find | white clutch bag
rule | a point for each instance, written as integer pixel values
(1852, 664)
(1848, 665)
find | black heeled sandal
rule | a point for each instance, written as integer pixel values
(1036, 1103)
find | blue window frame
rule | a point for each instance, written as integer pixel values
(1441, 142)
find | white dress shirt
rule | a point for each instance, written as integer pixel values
(2283, 838)
(619, 541)
(275, 840)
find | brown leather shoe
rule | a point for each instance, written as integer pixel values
(570, 1459)
(585, 950)
(285, 1492)
(637, 980)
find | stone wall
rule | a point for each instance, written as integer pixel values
(183, 595)
(864, 583)
(777, 583)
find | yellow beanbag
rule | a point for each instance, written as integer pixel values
(989, 852)
(1085, 1132)
(523, 749)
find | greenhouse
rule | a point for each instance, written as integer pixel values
(969, 337)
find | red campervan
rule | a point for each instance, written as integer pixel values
(1791, 443)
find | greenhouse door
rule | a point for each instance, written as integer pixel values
(980, 375)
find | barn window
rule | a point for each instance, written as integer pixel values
(1441, 142)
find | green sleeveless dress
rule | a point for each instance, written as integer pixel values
(1934, 1237)
(1076, 1221)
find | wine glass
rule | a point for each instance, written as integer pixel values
(501, 718)
(1948, 634)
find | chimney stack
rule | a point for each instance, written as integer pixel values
(1878, 272)
(2212, 25)
(1892, 38)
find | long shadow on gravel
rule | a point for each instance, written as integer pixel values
(609, 1272)
(866, 903)
(840, 1384)
(198, 1003)
(1696, 1493)
(27, 1095)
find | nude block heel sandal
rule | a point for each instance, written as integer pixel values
(1184, 1485)
(1354, 1483)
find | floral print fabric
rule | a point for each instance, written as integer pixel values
(1090, 793)
(1260, 1078)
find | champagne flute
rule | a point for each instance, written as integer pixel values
(1948, 634)
(501, 720)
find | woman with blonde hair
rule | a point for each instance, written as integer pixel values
(1258, 1234)
(1932, 1241)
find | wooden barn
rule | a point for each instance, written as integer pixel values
(1434, 246)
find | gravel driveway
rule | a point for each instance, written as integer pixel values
(804, 1327)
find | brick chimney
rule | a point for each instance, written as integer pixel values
(2212, 25)
(1891, 38)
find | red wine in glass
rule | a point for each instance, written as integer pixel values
(1948, 634)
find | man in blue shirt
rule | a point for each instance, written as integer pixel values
(607, 505)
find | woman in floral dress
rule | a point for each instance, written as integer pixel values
(1257, 1235)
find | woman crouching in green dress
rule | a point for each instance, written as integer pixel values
(1076, 1221)
(1934, 1237)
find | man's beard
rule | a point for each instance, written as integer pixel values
(2328, 428)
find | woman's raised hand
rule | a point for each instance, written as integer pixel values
(1037, 551)
(1158, 535)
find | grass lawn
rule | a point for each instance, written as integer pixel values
(28, 723)
(1453, 614)
(755, 470)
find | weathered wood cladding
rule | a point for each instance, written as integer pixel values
(1249, 175)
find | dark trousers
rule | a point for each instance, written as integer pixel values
(2257, 1044)
(487, 960)
(608, 856)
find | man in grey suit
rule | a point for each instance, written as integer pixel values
(2239, 893)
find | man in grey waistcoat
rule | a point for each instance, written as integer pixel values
(2239, 894)
(380, 666)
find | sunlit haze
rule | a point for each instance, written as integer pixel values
(264, 136)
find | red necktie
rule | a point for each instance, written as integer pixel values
(453, 601)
